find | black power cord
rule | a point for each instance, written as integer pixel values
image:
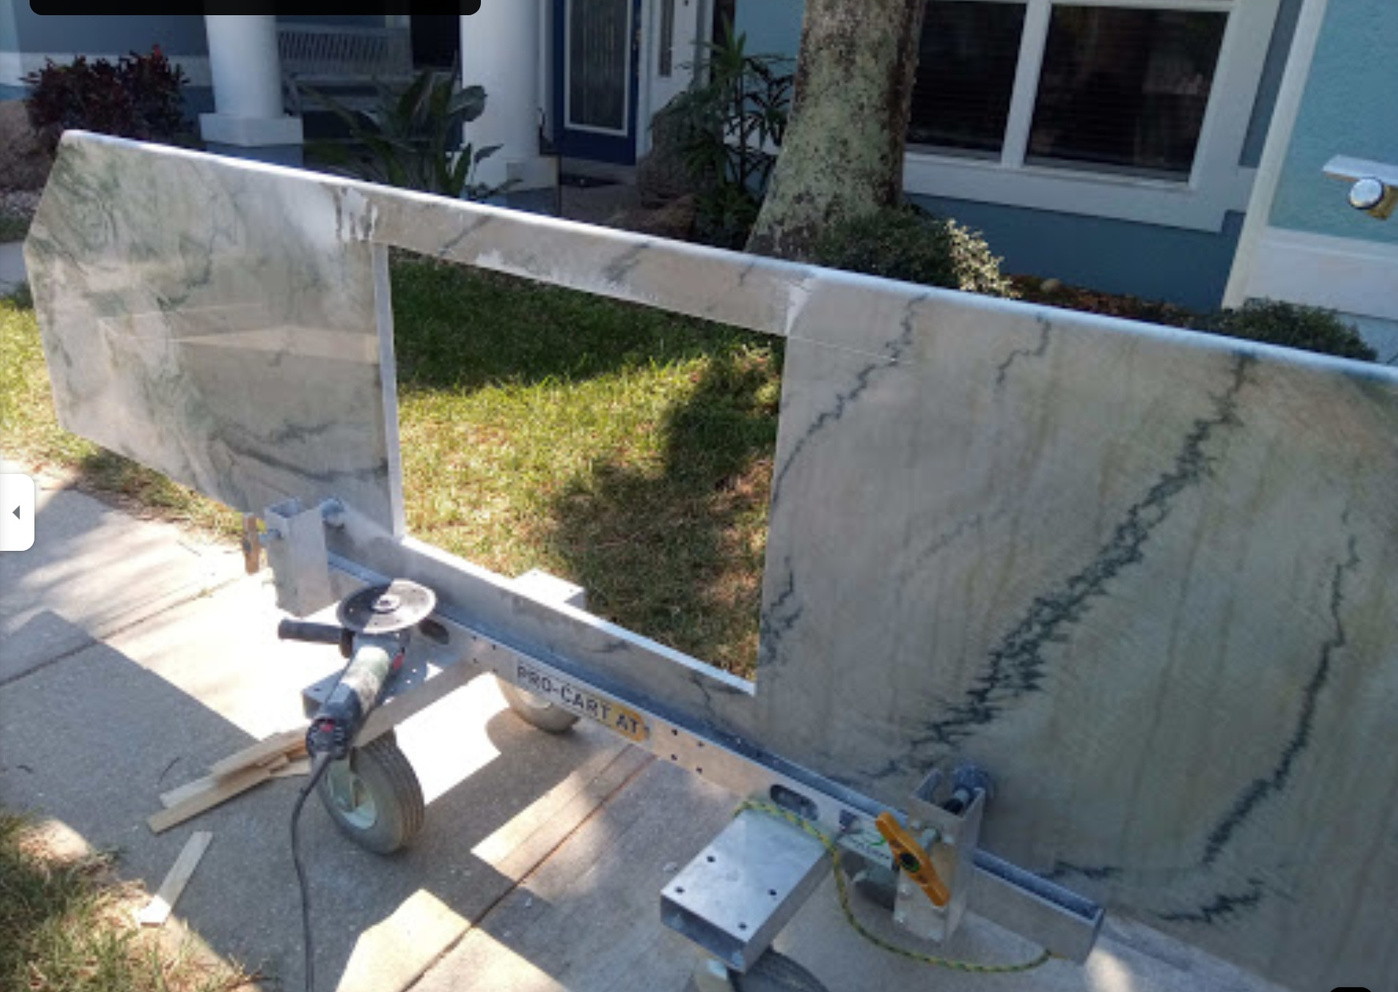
(320, 764)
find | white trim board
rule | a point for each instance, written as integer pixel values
(1279, 128)
(1147, 201)
(14, 66)
(1358, 277)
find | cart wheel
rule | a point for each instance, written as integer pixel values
(531, 709)
(775, 972)
(374, 796)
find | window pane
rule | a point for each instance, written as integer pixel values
(1125, 89)
(965, 75)
(667, 38)
(599, 53)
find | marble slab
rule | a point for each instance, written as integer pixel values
(1145, 577)
(215, 324)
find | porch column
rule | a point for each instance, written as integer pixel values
(248, 119)
(500, 46)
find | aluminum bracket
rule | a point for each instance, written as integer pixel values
(737, 894)
(295, 543)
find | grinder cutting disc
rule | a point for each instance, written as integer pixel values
(384, 609)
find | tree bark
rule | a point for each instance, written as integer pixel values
(842, 155)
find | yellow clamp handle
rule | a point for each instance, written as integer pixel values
(913, 859)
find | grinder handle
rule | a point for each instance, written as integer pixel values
(316, 633)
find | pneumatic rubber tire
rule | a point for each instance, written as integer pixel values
(775, 972)
(374, 796)
(533, 710)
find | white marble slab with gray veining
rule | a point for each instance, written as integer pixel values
(1145, 577)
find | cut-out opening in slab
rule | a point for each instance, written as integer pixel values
(620, 447)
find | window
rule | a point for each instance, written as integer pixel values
(966, 75)
(1135, 109)
(667, 39)
(1125, 89)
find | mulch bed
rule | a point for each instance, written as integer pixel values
(1051, 292)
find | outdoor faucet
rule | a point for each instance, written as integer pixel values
(1373, 185)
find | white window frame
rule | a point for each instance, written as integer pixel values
(1216, 185)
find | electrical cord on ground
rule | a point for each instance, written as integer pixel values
(971, 967)
(322, 762)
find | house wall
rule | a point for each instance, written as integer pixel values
(1183, 266)
(9, 51)
(1186, 267)
(1309, 246)
(1350, 107)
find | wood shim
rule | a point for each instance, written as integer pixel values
(288, 743)
(216, 790)
(287, 746)
(158, 910)
(301, 766)
(202, 785)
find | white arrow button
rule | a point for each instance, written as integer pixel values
(16, 526)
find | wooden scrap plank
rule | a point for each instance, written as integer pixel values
(199, 786)
(158, 910)
(301, 766)
(223, 788)
(289, 743)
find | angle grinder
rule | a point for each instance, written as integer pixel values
(375, 627)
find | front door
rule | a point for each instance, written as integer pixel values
(596, 53)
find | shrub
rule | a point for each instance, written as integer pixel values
(1292, 325)
(910, 244)
(728, 131)
(139, 97)
(413, 139)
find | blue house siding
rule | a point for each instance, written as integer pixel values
(177, 34)
(9, 42)
(1282, 35)
(1186, 267)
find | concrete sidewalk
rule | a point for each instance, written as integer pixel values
(132, 658)
(12, 273)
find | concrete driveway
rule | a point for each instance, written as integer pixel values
(132, 657)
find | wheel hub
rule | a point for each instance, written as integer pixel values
(350, 796)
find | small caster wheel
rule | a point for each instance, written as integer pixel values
(533, 710)
(374, 796)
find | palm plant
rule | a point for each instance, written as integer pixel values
(729, 129)
(411, 140)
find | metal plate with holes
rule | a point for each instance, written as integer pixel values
(738, 893)
(584, 702)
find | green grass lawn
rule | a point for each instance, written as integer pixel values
(30, 433)
(66, 925)
(622, 448)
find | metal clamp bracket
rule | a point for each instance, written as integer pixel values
(948, 835)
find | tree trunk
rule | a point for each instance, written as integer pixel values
(842, 155)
